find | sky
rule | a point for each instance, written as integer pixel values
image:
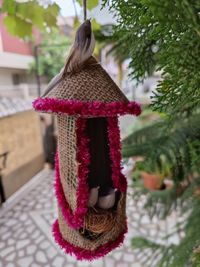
(102, 16)
(67, 8)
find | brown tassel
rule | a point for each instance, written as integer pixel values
(82, 48)
(80, 52)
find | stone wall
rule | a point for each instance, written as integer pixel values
(20, 134)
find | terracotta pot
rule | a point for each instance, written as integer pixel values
(151, 181)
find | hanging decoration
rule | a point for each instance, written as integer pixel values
(89, 185)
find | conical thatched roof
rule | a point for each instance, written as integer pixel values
(91, 91)
(92, 83)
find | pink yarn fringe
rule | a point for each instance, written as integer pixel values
(118, 178)
(76, 219)
(84, 254)
(95, 108)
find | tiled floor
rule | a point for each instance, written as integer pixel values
(26, 239)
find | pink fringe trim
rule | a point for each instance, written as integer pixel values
(118, 178)
(76, 219)
(95, 108)
(84, 254)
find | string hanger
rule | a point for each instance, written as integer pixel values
(85, 9)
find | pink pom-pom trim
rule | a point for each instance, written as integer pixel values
(95, 108)
(119, 180)
(84, 254)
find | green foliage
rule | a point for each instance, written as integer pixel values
(172, 152)
(176, 255)
(142, 243)
(21, 17)
(95, 25)
(163, 35)
(90, 3)
(52, 54)
(176, 148)
(196, 259)
(182, 255)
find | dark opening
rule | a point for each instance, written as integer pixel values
(100, 172)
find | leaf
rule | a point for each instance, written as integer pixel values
(142, 243)
(76, 23)
(50, 14)
(90, 3)
(95, 25)
(22, 16)
(10, 23)
(23, 28)
(33, 12)
(8, 6)
(17, 26)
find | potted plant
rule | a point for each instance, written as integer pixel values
(152, 179)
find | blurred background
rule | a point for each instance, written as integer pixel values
(152, 53)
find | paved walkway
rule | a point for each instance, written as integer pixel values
(26, 239)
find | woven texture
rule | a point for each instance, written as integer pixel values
(92, 83)
(67, 155)
(67, 149)
(76, 239)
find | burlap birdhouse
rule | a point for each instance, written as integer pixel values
(87, 104)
